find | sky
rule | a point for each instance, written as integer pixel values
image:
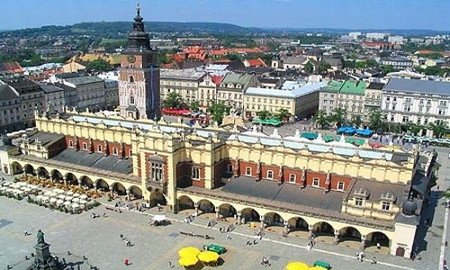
(349, 14)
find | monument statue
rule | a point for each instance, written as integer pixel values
(40, 237)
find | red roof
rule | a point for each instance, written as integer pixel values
(216, 79)
(258, 62)
(12, 67)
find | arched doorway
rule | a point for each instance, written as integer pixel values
(206, 206)
(323, 229)
(249, 215)
(135, 192)
(273, 219)
(157, 197)
(119, 189)
(102, 185)
(375, 238)
(184, 203)
(29, 170)
(71, 179)
(43, 173)
(227, 210)
(16, 168)
(86, 182)
(298, 224)
(350, 233)
(57, 176)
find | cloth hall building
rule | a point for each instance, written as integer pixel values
(327, 189)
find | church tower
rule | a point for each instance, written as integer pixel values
(139, 75)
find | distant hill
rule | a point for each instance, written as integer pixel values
(120, 29)
(115, 29)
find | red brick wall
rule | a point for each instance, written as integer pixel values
(139, 165)
(113, 145)
(243, 165)
(337, 178)
(148, 166)
(311, 175)
(288, 171)
(127, 150)
(274, 169)
(201, 182)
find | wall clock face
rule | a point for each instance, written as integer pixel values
(131, 58)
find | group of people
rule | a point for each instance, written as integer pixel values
(265, 261)
(126, 241)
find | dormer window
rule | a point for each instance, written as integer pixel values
(99, 148)
(359, 201)
(269, 174)
(84, 146)
(385, 206)
(316, 182)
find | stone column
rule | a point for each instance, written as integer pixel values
(311, 232)
(65, 181)
(128, 195)
(261, 219)
(216, 209)
(111, 190)
(336, 237)
(37, 174)
(196, 208)
(363, 242)
(239, 214)
(286, 227)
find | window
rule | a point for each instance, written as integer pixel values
(132, 100)
(248, 171)
(84, 146)
(156, 171)
(269, 174)
(99, 148)
(71, 144)
(316, 182)
(385, 206)
(340, 185)
(292, 178)
(358, 201)
(131, 79)
(229, 168)
(115, 152)
(195, 173)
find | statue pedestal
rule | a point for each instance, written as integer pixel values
(42, 253)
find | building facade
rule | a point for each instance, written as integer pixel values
(10, 109)
(231, 89)
(347, 95)
(373, 97)
(54, 98)
(184, 82)
(416, 101)
(327, 189)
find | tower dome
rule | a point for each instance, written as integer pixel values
(409, 208)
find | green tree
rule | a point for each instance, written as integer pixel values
(323, 67)
(322, 119)
(387, 69)
(339, 116)
(439, 128)
(98, 65)
(309, 67)
(356, 120)
(173, 100)
(283, 114)
(233, 57)
(414, 128)
(218, 110)
(194, 106)
(263, 114)
(376, 120)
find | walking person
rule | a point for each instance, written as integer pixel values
(126, 262)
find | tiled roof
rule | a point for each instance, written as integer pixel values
(418, 86)
(7, 93)
(258, 62)
(12, 67)
(182, 74)
(235, 78)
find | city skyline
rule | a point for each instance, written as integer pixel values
(346, 14)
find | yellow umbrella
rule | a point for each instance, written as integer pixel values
(188, 251)
(208, 256)
(297, 266)
(188, 261)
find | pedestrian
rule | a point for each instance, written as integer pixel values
(374, 261)
(127, 262)
(248, 243)
(121, 236)
(228, 237)
(255, 241)
(25, 233)
(378, 246)
(170, 265)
